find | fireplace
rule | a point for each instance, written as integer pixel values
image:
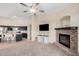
(67, 37)
(64, 39)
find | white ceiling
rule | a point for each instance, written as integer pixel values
(15, 9)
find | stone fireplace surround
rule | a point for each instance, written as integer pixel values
(73, 32)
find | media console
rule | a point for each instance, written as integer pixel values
(42, 38)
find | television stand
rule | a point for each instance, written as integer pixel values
(43, 38)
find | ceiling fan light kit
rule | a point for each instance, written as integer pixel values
(33, 8)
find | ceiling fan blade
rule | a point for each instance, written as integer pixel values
(41, 11)
(25, 11)
(24, 4)
(36, 4)
(31, 5)
(34, 14)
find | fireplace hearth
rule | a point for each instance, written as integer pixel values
(64, 39)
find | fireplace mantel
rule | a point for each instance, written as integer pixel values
(67, 28)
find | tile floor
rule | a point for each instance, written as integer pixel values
(30, 48)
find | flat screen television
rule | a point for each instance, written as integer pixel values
(44, 27)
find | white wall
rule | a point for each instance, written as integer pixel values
(73, 12)
(14, 21)
(44, 20)
(54, 21)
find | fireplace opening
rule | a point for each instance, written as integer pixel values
(64, 39)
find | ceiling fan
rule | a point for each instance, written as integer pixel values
(33, 8)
